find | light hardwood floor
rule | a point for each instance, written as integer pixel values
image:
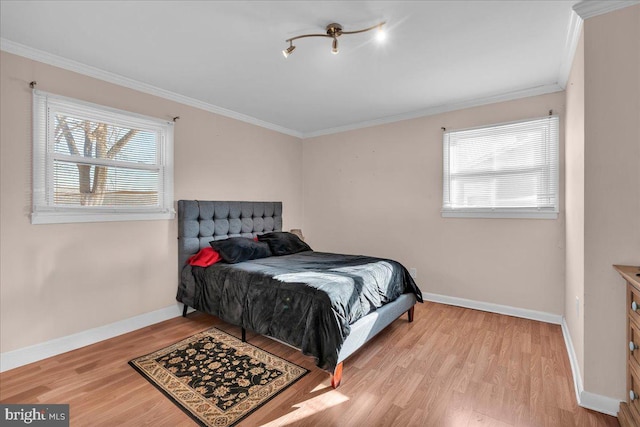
(450, 367)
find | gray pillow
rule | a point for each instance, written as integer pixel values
(239, 249)
(283, 243)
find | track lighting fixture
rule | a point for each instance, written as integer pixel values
(334, 31)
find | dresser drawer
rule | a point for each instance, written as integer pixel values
(624, 416)
(634, 391)
(634, 345)
(633, 300)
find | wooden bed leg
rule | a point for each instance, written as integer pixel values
(184, 310)
(410, 314)
(244, 335)
(337, 376)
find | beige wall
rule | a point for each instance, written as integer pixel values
(59, 279)
(574, 202)
(375, 191)
(612, 190)
(379, 191)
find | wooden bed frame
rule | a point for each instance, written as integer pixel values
(199, 222)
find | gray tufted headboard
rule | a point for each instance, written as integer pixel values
(200, 222)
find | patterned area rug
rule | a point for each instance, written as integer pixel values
(216, 378)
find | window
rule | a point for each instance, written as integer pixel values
(502, 171)
(93, 163)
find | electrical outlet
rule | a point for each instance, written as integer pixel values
(413, 272)
(578, 306)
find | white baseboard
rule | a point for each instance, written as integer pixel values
(595, 402)
(34, 353)
(524, 313)
(573, 360)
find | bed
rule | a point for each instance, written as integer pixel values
(291, 297)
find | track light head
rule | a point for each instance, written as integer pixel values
(288, 50)
(334, 46)
(381, 34)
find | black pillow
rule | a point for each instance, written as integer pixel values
(239, 249)
(283, 243)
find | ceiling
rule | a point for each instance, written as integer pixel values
(226, 56)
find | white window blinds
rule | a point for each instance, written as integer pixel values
(93, 163)
(506, 170)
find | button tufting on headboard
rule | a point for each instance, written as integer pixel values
(200, 221)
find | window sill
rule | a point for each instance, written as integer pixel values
(71, 217)
(499, 214)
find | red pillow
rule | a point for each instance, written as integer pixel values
(205, 258)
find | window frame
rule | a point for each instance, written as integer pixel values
(44, 211)
(552, 165)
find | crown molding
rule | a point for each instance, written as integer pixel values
(67, 64)
(590, 8)
(87, 70)
(509, 96)
(570, 45)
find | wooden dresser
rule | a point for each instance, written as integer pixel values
(629, 414)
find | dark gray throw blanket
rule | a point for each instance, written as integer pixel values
(308, 299)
